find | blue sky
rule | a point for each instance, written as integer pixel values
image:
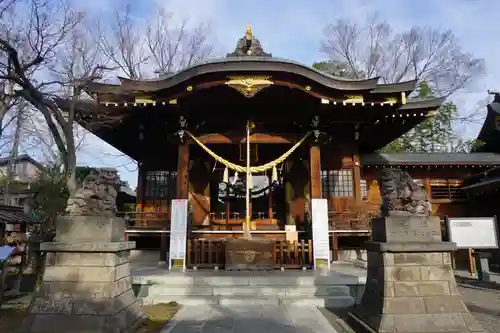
(293, 29)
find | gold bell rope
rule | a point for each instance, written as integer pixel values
(254, 169)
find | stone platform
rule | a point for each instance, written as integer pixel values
(333, 289)
(410, 284)
(87, 282)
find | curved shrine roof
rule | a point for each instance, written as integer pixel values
(250, 65)
(490, 131)
(249, 58)
(381, 110)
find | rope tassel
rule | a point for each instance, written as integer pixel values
(225, 176)
(274, 177)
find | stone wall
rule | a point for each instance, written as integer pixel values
(419, 291)
(87, 283)
(410, 285)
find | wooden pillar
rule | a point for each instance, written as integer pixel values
(183, 171)
(141, 179)
(427, 185)
(270, 198)
(227, 202)
(315, 171)
(141, 193)
(335, 246)
(356, 179)
(182, 190)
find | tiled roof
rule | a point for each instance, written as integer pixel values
(9, 214)
(430, 159)
(20, 158)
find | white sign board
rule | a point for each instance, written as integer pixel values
(178, 233)
(321, 242)
(473, 232)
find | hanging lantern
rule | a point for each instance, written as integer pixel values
(225, 176)
(274, 176)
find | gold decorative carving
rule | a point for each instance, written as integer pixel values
(354, 99)
(144, 100)
(391, 100)
(249, 86)
(248, 33)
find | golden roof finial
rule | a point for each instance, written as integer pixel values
(248, 33)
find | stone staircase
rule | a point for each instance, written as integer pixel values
(235, 288)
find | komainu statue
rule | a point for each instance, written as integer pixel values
(97, 196)
(400, 194)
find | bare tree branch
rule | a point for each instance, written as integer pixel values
(123, 44)
(53, 43)
(418, 53)
(162, 45)
(174, 47)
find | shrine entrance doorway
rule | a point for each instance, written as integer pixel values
(267, 201)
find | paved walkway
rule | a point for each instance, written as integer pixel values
(249, 318)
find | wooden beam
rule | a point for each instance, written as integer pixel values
(259, 138)
(315, 171)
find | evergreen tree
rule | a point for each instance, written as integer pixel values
(434, 134)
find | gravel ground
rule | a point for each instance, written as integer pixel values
(483, 301)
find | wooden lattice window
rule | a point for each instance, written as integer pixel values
(160, 185)
(337, 183)
(364, 188)
(447, 189)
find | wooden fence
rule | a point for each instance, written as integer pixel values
(208, 253)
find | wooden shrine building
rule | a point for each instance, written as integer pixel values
(185, 127)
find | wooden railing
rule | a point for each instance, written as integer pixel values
(349, 221)
(208, 253)
(146, 219)
(447, 189)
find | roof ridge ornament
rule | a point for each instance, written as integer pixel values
(248, 45)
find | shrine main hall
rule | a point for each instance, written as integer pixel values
(310, 134)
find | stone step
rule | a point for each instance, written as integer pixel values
(331, 302)
(327, 301)
(258, 291)
(210, 300)
(245, 280)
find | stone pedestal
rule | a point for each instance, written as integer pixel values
(410, 285)
(87, 286)
(249, 254)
